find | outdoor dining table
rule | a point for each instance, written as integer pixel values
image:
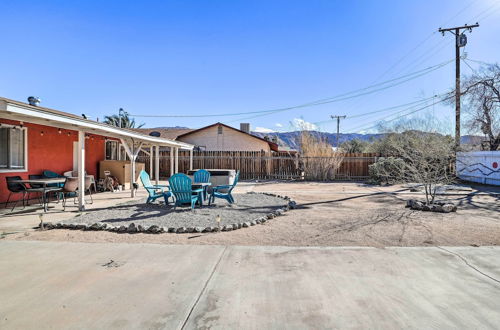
(200, 185)
(44, 182)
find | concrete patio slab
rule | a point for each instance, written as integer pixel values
(100, 286)
(103, 286)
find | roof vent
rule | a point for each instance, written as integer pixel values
(33, 100)
(155, 134)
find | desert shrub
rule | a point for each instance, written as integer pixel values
(386, 170)
(354, 146)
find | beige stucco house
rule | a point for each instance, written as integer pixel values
(218, 137)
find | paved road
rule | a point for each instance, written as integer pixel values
(124, 286)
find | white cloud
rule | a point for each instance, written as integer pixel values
(263, 130)
(279, 125)
(304, 125)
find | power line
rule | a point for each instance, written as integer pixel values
(413, 104)
(344, 96)
(340, 99)
(362, 127)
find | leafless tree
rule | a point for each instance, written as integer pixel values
(426, 156)
(481, 94)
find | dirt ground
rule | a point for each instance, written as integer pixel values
(338, 214)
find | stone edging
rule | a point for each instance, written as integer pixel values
(154, 229)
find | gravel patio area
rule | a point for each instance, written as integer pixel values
(249, 208)
(334, 214)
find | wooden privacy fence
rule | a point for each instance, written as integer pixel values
(261, 165)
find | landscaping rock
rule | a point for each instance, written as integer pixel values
(198, 229)
(433, 208)
(189, 230)
(94, 226)
(246, 224)
(141, 229)
(154, 229)
(447, 208)
(269, 216)
(257, 221)
(172, 230)
(227, 228)
(181, 230)
(122, 229)
(81, 226)
(132, 228)
(207, 230)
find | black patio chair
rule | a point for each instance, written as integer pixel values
(35, 187)
(43, 191)
(15, 188)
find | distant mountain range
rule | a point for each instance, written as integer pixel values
(291, 139)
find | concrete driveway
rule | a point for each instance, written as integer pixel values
(124, 286)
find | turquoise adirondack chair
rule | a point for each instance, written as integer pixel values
(217, 193)
(154, 191)
(202, 176)
(180, 186)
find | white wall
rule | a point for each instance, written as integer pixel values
(479, 166)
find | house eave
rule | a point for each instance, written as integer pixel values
(33, 114)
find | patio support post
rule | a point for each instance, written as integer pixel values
(157, 165)
(151, 161)
(81, 170)
(191, 159)
(176, 160)
(132, 153)
(172, 150)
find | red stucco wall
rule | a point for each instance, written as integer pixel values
(53, 151)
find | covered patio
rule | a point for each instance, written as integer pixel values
(32, 122)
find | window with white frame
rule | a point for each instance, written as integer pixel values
(115, 151)
(13, 148)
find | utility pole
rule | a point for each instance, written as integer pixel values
(460, 41)
(338, 127)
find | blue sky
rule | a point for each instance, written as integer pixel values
(222, 57)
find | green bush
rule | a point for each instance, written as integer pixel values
(386, 170)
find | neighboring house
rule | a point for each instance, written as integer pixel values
(216, 137)
(35, 138)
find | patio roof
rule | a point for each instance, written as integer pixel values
(15, 110)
